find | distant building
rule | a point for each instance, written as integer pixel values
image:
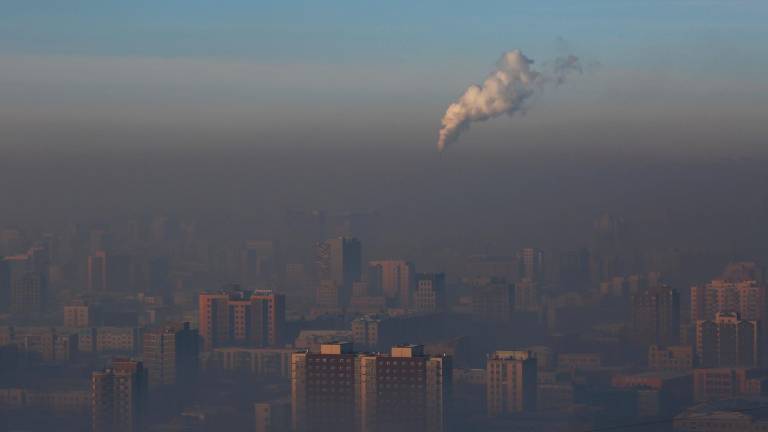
(430, 295)
(526, 295)
(110, 272)
(531, 264)
(80, 315)
(494, 300)
(656, 316)
(674, 358)
(272, 416)
(256, 362)
(365, 332)
(726, 383)
(97, 272)
(119, 397)
(511, 383)
(56, 401)
(338, 389)
(20, 291)
(727, 341)
(29, 294)
(328, 296)
(661, 393)
(237, 317)
(339, 260)
(748, 298)
(260, 264)
(579, 361)
(43, 343)
(123, 340)
(171, 354)
(312, 340)
(394, 279)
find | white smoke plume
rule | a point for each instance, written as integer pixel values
(506, 90)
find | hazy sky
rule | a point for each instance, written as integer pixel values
(373, 72)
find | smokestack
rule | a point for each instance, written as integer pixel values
(506, 90)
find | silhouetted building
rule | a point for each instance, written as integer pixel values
(656, 316)
(494, 300)
(573, 270)
(119, 397)
(110, 273)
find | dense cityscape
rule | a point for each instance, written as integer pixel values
(145, 324)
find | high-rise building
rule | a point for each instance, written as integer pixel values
(119, 397)
(171, 354)
(727, 341)
(339, 260)
(511, 382)
(494, 300)
(338, 389)
(656, 316)
(323, 389)
(29, 294)
(430, 295)
(395, 280)
(237, 317)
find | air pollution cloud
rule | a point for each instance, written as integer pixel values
(506, 90)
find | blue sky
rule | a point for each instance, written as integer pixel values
(364, 60)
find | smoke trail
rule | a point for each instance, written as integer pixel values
(506, 90)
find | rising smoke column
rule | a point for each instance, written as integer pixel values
(504, 91)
